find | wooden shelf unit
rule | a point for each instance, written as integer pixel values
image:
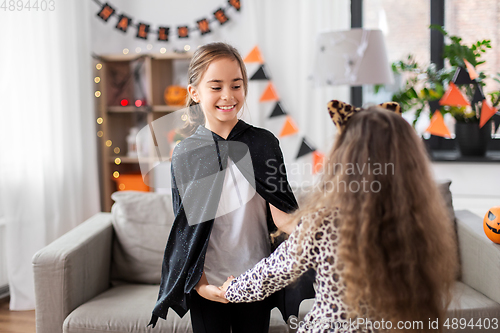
(157, 73)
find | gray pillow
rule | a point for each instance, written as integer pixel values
(142, 223)
(444, 188)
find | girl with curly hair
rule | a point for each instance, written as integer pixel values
(377, 233)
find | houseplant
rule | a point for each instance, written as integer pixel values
(425, 86)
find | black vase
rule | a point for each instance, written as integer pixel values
(472, 140)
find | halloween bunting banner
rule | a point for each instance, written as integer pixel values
(289, 127)
(203, 25)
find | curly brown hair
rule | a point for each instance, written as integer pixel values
(397, 242)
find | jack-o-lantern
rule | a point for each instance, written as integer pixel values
(175, 95)
(491, 224)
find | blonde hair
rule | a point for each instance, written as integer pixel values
(397, 244)
(200, 61)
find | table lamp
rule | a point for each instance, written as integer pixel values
(352, 57)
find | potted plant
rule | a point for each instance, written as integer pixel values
(425, 86)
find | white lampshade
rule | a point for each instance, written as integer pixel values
(352, 57)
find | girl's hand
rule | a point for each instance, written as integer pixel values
(212, 293)
(208, 291)
(223, 289)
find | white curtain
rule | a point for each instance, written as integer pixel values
(48, 170)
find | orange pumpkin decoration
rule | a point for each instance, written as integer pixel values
(491, 224)
(175, 95)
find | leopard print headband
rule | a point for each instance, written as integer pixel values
(341, 112)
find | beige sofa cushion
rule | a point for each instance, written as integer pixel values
(142, 222)
(127, 308)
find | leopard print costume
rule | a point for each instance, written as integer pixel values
(318, 250)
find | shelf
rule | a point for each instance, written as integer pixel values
(167, 108)
(134, 160)
(157, 71)
(156, 108)
(124, 159)
(455, 156)
(127, 109)
(133, 56)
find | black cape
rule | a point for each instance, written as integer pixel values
(198, 166)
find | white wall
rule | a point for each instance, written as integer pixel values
(285, 31)
(474, 186)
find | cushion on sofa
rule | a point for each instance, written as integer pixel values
(142, 222)
(127, 308)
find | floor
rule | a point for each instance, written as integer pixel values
(16, 321)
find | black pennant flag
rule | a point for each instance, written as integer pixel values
(278, 111)
(106, 12)
(235, 3)
(123, 23)
(221, 16)
(461, 77)
(163, 33)
(434, 105)
(203, 26)
(260, 74)
(478, 94)
(305, 148)
(183, 31)
(142, 31)
(496, 119)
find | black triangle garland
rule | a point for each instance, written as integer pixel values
(478, 94)
(496, 119)
(277, 111)
(203, 25)
(260, 74)
(434, 105)
(305, 148)
(461, 77)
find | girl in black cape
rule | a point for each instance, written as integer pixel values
(230, 192)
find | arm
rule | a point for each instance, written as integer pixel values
(282, 220)
(210, 292)
(271, 274)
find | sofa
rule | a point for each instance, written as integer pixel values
(103, 275)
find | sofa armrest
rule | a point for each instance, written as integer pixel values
(71, 270)
(479, 256)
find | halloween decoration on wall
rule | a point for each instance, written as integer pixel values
(202, 25)
(491, 224)
(289, 127)
(175, 95)
(454, 97)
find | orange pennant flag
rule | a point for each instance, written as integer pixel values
(437, 126)
(453, 97)
(269, 94)
(472, 71)
(254, 56)
(318, 159)
(487, 111)
(289, 128)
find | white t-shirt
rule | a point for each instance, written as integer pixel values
(239, 237)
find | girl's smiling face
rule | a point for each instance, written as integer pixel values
(220, 93)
